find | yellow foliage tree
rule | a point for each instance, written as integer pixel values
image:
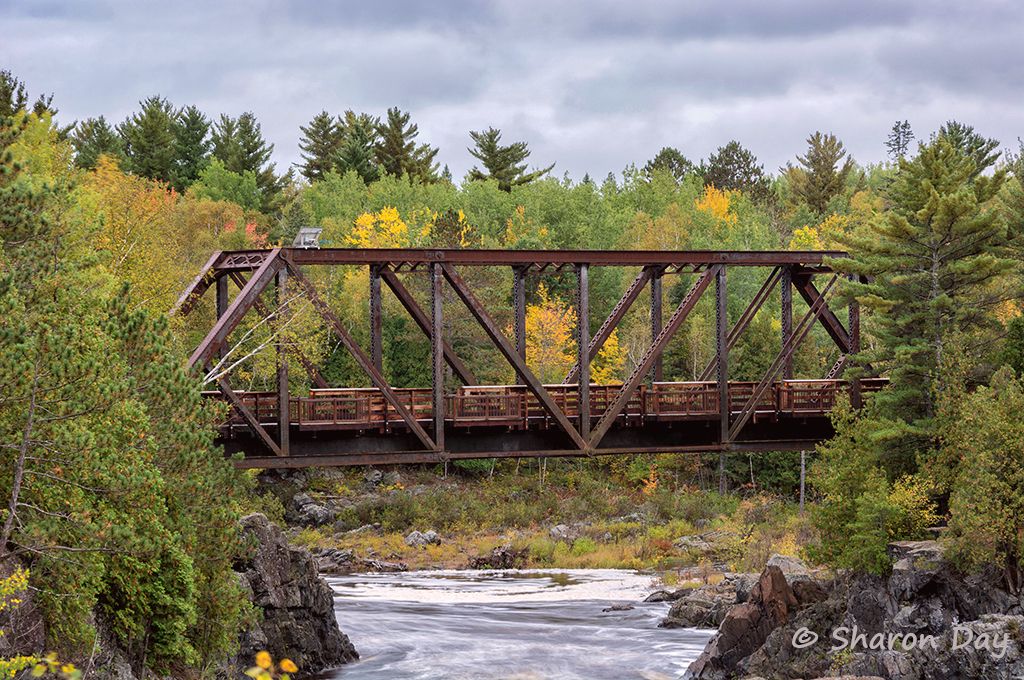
(823, 236)
(607, 366)
(550, 338)
(522, 234)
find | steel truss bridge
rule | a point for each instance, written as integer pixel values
(335, 425)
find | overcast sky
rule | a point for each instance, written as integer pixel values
(591, 85)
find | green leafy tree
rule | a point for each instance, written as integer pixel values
(397, 153)
(671, 161)
(95, 138)
(733, 168)
(191, 146)
(217, 183)
(319, 144)
(987, 503)
(818, 179)
(504, 164)
(148, 138)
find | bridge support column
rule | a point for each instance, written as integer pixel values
(519, 315)
(437, 354)
(222, 304)
(722, 353)
(583, 346)
(284, 414)
(787, 318)
(658, 373)
(376, 341)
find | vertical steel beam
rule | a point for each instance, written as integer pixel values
(437, 353)
(222, 304)
(284, 412)
(855, 396)
(722, 352)
(748, 315)
(583, 346)
(376, 341)
(519, 315)
(658, 373)
(787, 317)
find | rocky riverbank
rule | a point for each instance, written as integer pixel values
(297, 605)
(923, 622)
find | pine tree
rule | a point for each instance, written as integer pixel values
(672, 161)
(320, 142)
(396, 151)
(356, 152)
(963, 138)
(818, 180)
(932, 260)
(149, 140)
(191, 146)
(733, 168)
(239, 145)
(95, 138)
(505, 164)
(899, 140)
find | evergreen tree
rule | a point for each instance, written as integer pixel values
(733, 168)
(149, 140)
(971, 144)
(671, 160)
(899, 140)
(239, 145)
(14, 99)
(95, 138)
(818, 180)
(931, 261)
(397, 153)
(356, 153)
(319, 143)
(505, 164)
(191, 146)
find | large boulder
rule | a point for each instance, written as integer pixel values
(747, 626)
(298, 619)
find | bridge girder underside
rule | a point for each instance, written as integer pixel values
(735, 426)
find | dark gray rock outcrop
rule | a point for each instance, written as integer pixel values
(923, 622)
(298, 606)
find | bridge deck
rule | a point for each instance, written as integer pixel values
(365, 413)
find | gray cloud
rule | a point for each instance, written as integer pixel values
(591, 84)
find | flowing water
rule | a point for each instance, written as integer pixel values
(511, 625)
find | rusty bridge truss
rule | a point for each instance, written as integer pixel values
(335, 425)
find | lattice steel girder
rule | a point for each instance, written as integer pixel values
(408, 259)
(818, 307)
(505, 347)
(202, 282)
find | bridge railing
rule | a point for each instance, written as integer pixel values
(515, 406)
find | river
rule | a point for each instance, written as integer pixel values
(508, 625)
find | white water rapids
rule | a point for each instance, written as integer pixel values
(508, 625)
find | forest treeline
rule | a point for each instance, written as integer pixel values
(115, 499)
